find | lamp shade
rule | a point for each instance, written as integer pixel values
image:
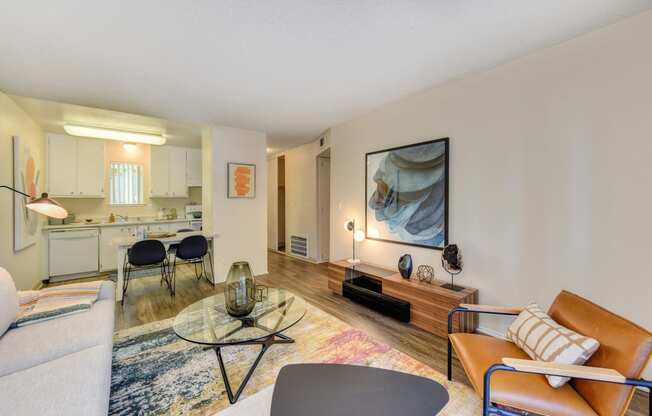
(349, 225)
(358, 235)
(48, 207)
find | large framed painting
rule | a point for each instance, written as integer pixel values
(407, 194)
(27, 178)
(241, 180)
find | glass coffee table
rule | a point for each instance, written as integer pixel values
(206, 322)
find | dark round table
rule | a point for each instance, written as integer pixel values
(345, 390)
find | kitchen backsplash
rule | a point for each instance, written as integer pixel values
(100, 209)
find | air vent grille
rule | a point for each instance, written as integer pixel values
(299, 245)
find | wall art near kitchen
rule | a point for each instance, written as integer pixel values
(407, 194)
(242, 180)
(27, 178)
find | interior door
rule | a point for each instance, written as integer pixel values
(90, 167)
(62, 165)
(323, 204)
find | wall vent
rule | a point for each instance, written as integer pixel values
(299, 245)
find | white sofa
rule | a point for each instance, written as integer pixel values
(61, 366)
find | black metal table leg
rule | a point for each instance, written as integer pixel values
(266, 343)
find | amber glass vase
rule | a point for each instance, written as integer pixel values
(240, 291)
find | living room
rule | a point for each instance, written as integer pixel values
(362, 214)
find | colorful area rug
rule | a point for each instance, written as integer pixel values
(156, 373)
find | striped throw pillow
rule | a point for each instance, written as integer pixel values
(57, 301)
(543, 339)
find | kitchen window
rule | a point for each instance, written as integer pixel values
(126, 183)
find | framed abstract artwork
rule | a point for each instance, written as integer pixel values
(27, 179)
(241, 180)
(406, 194)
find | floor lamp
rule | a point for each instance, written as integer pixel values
(43, 205)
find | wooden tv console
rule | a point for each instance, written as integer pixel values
(429, 302)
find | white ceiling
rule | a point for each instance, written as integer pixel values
(52, 116)
(291, 68)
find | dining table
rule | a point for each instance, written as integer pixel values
(123, 244)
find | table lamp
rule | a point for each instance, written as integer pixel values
(43, 205)
(357, 235)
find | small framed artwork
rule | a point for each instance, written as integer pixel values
(241, 180)
(407, 194)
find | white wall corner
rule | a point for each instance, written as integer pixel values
(240, 224)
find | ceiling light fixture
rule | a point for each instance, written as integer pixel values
(111, 134)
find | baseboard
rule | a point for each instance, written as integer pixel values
(306, 259)
(294, 256)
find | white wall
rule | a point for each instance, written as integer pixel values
(551, 180)
(301, 193)
(207, 178)
(240, 224)
(24, 265)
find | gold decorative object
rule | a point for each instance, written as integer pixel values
(425, 273)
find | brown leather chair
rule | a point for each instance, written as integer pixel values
(507, 379)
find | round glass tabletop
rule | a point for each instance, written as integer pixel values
(207, 322)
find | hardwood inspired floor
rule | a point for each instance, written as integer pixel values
(147, 301)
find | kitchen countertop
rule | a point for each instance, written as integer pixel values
(114, 224)
(122, 242)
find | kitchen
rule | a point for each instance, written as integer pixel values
(115, 182)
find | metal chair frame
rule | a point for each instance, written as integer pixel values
(166, 276)
(195, 262)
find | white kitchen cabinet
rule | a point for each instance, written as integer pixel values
(108, 250)
(193, 167)
(178, 187)
(75, 167)
(90, 167)
(168, 172)
(62, 165)
(159, 171)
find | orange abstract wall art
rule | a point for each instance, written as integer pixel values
(242, 180)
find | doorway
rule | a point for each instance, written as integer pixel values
(280, 246)
(324, 203)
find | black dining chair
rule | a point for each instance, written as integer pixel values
(173, 247)
(194, 250)
(147, 254)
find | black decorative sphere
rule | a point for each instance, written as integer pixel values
(405, 266)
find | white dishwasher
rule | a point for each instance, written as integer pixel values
(73, 252)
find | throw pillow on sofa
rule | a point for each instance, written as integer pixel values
(8, 301)
(543, 339)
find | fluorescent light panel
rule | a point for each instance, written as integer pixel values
(110, 134)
